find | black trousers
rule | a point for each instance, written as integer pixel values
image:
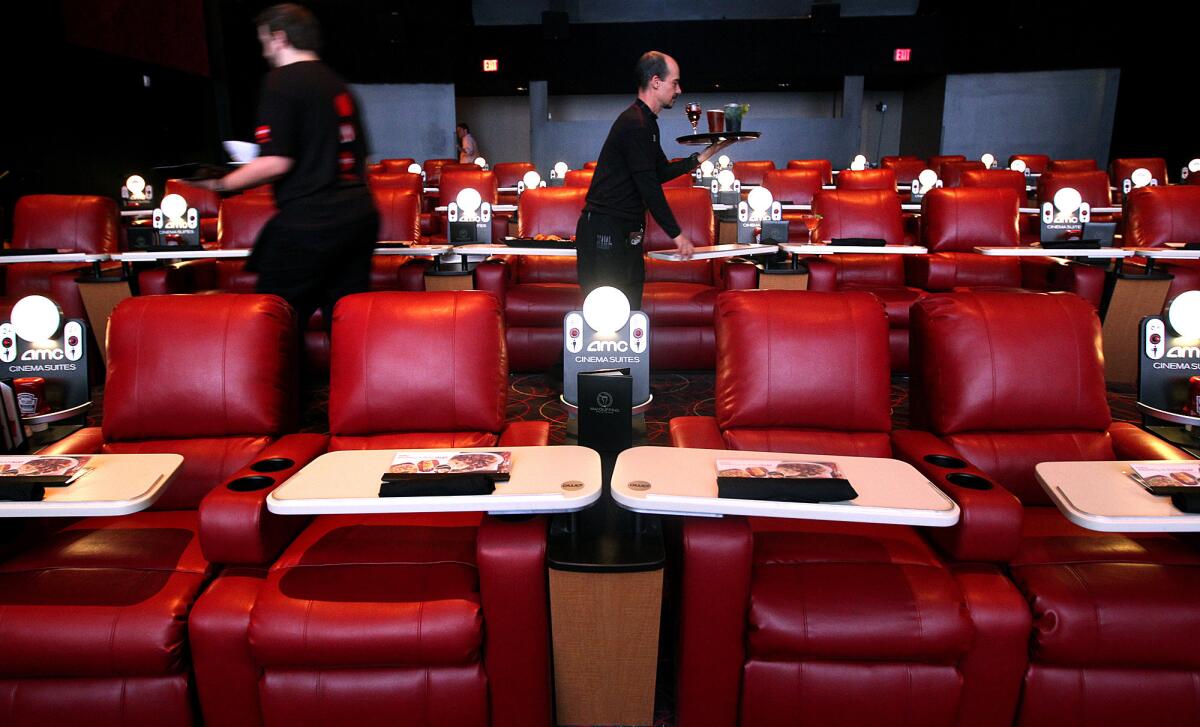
(311, 263)
(608, 255)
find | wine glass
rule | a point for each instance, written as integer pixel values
(693, 115)
(810, 222)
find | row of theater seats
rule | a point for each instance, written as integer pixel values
(536, 292)
(1014, 615)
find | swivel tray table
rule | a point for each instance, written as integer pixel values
(118, 484)
(1101, 496)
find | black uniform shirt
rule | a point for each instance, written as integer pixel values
(632, 168)
(307, 114)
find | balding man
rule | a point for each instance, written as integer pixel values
(628, 180)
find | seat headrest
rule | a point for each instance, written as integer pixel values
(859, 213)
(802, 359)
(187, 366)
(75, 223)
(963, 218)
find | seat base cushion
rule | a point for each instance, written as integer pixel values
(97, 702)
(103, 597)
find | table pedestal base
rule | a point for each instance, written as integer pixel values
(1133, 298)
(605, 629)
(455, 281)
(782, 279)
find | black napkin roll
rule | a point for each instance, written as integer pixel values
(21, 492)
(795, 489)
(1187, 501)
(859, 241)
(447, 485)
(46, 480)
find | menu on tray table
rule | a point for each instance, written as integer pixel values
(1167, 478)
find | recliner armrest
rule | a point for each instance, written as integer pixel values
(236, 528)
(1131, 442)
(738, 276)
(822, 275)
(219, 630)
(511, 555)
(1086, 281)
(525, 434)
(932, 272)
(696, 433)
(989, 526)
(993, 667)
(88, 440)
(166, 280)
(492, 276)
(714, 595)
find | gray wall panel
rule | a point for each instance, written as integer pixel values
(408, 120)
(1066, 114)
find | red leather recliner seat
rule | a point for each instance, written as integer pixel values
(1121, 169)
(827, 622)
(507, 175)
(67, 223)
(951, 171)
(1155, 216)
(579, 178)
(95, 609)
(794, 186)
(905, 168)
(873, 214)
(752, 172)
(884, 179)
(1035, 163)
(393, 166)
(824, 166)
(956, 221)
(1114, 615)
(1071, 165)
(370, 618)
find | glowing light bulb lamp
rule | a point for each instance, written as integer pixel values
(760, 219)
(925, 182)
(1064, 217)
(136, 194)
(1184, 314)
(530, 180)
(36, 341)
(725, 189)
(602, 336)
(1192, 167)
(176, 224)
(469, 218)
(1139, 178)
(558, 174)
(1019, 165)
(1166, 347)
(704, 173)
(989, 160)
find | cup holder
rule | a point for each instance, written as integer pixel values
(970, 481)
(945, 460)
(251, 483)
(273, 464)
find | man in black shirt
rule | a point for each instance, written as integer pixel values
(628, 180)
(319, 247)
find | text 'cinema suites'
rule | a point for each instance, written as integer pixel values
(529, 364)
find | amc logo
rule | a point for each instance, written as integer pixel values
(621, 346)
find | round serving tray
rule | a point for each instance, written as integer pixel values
(711, 138)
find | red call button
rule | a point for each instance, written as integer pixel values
(72, 341)
(574, 333)
(6, 342)
(902, 55)
(1154, 339)
(637, 333)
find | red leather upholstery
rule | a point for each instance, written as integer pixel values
(1092, 186)
(766, 633)
(393, 166)
(206, 202)
(796, 186)
(1121, 169)
(579, 178)
(590, 165)
(959, 220)
(442, 614)
(95, 613)
(399, 214)
(1094, 645)
(433, 169)
(509, 173)
(1158, 215)
(456, 177)
(752, 172)
(1071, 165)
(950, 172)
(535, 292)
(906, 168)
(1003, 178)
(1035, 163)
(935, 162)
(821, 165)
(682, 181)
(67, 223)
(396, 180)
(884, 179)
(875, 214)
(859, 213)
(550, 211)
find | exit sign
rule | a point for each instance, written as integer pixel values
(902, 55)
(491, 65)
